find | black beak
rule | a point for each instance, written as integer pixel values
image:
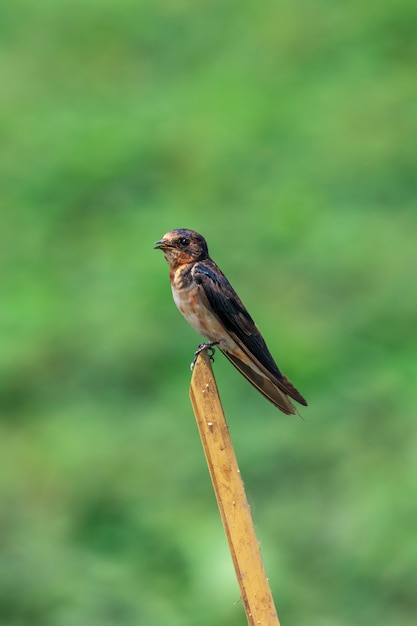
(160, 245)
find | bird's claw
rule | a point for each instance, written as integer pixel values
(204, 346)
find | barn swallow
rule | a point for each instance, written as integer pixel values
(209, 303)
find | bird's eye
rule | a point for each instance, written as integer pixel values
(183, 241)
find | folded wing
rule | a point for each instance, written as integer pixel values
(223, 301)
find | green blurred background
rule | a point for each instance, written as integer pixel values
(285, 132)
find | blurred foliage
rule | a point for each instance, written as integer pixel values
(285, 132)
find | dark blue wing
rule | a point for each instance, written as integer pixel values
(230, 311)
(222, 300)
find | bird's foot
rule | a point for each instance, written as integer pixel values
(204, 346)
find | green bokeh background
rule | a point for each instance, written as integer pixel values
(285, 132)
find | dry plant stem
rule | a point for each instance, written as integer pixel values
(230, 494)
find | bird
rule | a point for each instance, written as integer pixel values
(207, 300)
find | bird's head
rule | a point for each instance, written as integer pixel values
(182, 246)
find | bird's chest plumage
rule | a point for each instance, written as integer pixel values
(189, 301)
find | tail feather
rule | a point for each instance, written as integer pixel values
(288, 388)
(266, 386)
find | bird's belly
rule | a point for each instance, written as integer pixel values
(206, 324)
(199, 317)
